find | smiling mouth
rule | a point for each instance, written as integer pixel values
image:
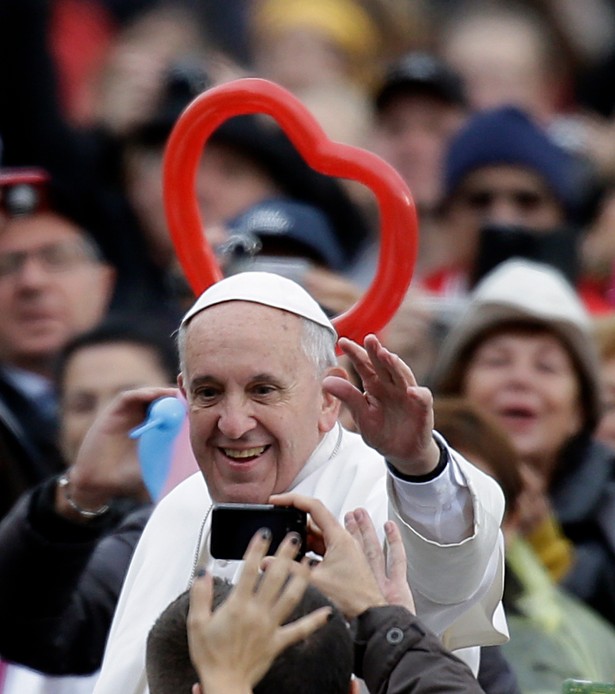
(518, 415)
(244, 454)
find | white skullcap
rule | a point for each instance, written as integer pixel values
(265, 288)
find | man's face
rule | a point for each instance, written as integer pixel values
(412, 134)
(257, 409)
(93, 376)
(50, 288)
(500, 194)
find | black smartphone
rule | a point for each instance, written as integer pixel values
(500, 242)
(234, 525)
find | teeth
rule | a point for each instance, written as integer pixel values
(246, 453)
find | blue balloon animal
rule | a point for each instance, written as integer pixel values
(156, 435)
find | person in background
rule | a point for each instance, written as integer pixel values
(419, 104)
(54, 284)
(508, 54)
(326, 42)
(524, 349)
(84, 544)
(510, 190)
(604, 334)
(553, 635)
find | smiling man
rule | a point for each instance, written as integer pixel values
(264, 390)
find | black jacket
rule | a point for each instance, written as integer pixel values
(60, 582)
(395, 654)
(583, 497)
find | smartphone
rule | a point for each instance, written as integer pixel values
(500, 242)
(234, 525)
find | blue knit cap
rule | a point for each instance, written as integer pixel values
(507, 135)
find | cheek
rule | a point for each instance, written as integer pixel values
(477, 384)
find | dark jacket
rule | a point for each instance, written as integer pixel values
(60, 582)
(29, 452)
(583, 497)
(395, 654)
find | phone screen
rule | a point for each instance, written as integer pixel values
(234, 525)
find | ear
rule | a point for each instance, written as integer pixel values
(330, 408)
(180, 384)
(108, 276)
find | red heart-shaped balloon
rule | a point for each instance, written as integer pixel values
(398, 222)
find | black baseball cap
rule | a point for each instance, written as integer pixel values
(421, 72)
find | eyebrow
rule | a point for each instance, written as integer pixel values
(208, 378)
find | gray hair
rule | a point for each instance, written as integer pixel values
(317, 343)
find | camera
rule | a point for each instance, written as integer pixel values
(234, 525)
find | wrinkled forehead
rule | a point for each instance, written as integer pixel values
(245, 318)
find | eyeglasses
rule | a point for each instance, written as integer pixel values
(54, 257)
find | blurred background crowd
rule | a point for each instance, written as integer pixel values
(500, 118)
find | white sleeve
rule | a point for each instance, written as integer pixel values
(451, 531)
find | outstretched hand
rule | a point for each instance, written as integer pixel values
(354, 572)
(390, 569)
(233, 647)
(393, 413)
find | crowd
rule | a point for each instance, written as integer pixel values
(472, 438)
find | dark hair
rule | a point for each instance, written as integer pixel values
(474, 433)
(320, 663)
(122, 328)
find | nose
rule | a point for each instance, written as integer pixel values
(520, 375)
(32, 273)
(236, 419)
(504, 211)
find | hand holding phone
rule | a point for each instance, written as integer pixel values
(234, 525)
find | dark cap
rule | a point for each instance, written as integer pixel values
(293, 228)
(423, 73)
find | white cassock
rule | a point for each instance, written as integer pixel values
(457, 583)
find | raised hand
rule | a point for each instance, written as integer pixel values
(390, 568)
(107, 464)
(233, 647)
(344, 575)
(393, 413)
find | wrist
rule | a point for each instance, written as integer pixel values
(74, 506)
(223, 683)
(425, 469)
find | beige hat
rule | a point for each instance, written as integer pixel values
(524, 291)
(265, 288)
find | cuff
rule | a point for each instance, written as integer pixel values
(436, 472)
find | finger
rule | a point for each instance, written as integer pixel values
(396, 554)
(352, 527)
(303, 627)
(272, 582)
(371, 545)
(389, 367)
(291, 592)
(359, 358)
(199, 610)
(259, 544)
(315, 540)
(320, 515)
(345, 391)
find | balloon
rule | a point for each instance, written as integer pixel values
(156, 435)
(398, 225)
